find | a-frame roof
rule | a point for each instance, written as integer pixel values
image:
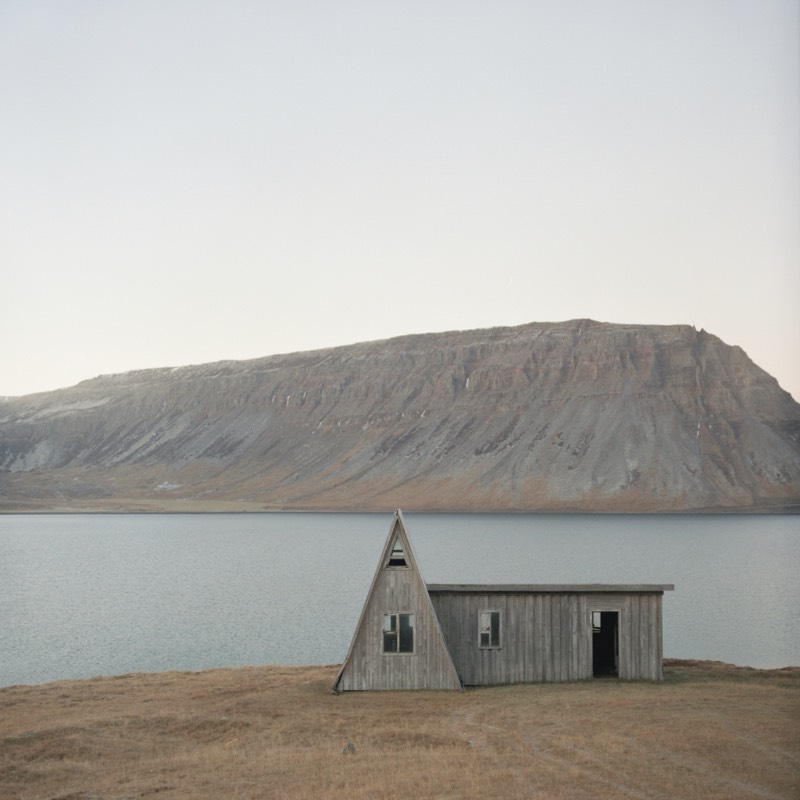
(398, 537)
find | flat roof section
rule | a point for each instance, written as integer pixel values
(550, 588)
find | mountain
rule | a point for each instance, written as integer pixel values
(579, 415)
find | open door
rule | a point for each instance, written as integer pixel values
(605, 644)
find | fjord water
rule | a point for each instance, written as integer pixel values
(86, 595)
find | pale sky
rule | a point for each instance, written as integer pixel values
(184, 182)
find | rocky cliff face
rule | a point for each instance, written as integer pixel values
(578, 415)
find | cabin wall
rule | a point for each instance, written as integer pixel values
(399, 591)
(548, 637)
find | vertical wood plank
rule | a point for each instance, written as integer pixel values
(551, 639)
(527, 645)
(659, 639)
(538, 638)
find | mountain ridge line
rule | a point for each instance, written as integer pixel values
(554, 417)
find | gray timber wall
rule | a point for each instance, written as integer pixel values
(548, 637)
(398, 591)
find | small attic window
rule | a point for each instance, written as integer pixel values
(397, 558)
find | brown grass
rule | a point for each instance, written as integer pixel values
(709, 731)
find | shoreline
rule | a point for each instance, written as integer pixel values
(787, 509)
(699, 666)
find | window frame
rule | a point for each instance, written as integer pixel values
(397, 633)
(494, 643)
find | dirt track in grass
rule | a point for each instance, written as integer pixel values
(709, 731)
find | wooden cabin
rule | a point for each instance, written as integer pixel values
(413, 635)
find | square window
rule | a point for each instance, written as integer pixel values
(398, 633)
(489, 629)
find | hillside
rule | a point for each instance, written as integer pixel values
(578, 415)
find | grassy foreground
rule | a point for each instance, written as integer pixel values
(709, 731)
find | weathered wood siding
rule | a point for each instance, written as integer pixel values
(428, 667)
(548, 637)
(398, 590)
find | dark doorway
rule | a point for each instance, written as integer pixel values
(605, 643)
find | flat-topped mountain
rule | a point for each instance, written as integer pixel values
(577, 415)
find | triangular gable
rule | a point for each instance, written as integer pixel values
(397, 586)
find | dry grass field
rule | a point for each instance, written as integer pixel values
(709, 731)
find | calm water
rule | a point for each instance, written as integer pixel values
(97, 595)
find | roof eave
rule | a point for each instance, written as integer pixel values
(550, 588)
